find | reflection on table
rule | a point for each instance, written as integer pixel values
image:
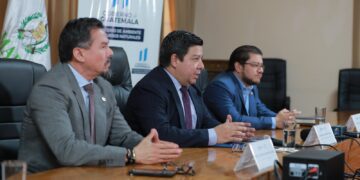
(209, 163)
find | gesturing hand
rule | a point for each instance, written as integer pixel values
(152, 150)
(233, 131)
(285, 115)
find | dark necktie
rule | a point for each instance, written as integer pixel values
(90, 90)
(187, 108)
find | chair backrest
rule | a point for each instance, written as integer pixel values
(202, 81)
(349, 90)
(120, 77)
(17, 78)
(272, 88)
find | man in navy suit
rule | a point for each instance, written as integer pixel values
(234, 92)
(166, 99)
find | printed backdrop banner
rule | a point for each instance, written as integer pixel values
(25, 34)
(131, 24)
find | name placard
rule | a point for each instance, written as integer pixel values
(260, 153)
(320, 134)
(353, 123)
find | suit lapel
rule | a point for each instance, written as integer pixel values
(252, 104)
(173, 91)
(197, 105)
(239, 98)
(100, 114)
(179, 107)
(80, 100)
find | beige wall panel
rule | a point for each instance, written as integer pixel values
(315, 37)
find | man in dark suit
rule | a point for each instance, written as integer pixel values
(68, 124)
(234, 92)
(167, 100)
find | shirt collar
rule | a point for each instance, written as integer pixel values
(242, 85)
(79, 78)
(174, 80)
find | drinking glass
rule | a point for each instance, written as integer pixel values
(13, 170)
(289, 133)
(320, 114)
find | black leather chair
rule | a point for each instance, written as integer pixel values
(272, 89)
(120, 77)
(17, 78)
(348, 93)
(202, 81)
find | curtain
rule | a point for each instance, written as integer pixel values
(184, 14)
(59, 13)
(3, 5)
(356, 35)
(177, 15)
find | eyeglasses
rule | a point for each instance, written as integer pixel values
(185, 169)
(256, 65)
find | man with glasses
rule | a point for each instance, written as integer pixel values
(234, 92)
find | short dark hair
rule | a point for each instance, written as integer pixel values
(241, 55)
(76, 33)
(177, 42)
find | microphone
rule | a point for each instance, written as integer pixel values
(304, 133)
(338, 130)
(276, 142)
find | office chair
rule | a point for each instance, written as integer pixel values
(348, 93)
(202, 81)
(17, 78)
(272, 88)
(120, 77)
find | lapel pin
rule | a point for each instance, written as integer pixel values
(103, 98)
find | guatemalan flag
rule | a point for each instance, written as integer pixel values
(25, 34)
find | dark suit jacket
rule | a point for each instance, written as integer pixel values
(56, 132)
(223, 96)
(155, 103)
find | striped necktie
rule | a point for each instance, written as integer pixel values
(187, 108)
(89, 88)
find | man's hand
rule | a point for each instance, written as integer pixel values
(233, 131)
(152, 150)
(285, 115)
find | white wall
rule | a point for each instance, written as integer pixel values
(314, 36)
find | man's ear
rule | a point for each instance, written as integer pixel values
(174, 60)
(238, 67)
(78, 54)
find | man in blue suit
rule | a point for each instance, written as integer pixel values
(234, 92)
(167, 100)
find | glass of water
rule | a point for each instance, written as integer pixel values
(289, 133)
(320, 114)
(13, 170)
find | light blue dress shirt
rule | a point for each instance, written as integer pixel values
(82, 82)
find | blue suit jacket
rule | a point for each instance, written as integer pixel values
(223, 96)
(155, 103)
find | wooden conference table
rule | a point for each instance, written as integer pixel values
(209, 163)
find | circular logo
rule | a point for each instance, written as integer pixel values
(33, 34)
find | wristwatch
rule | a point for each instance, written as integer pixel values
(130, 155)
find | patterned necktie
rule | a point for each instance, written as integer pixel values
(90, 90)
(187, 108)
